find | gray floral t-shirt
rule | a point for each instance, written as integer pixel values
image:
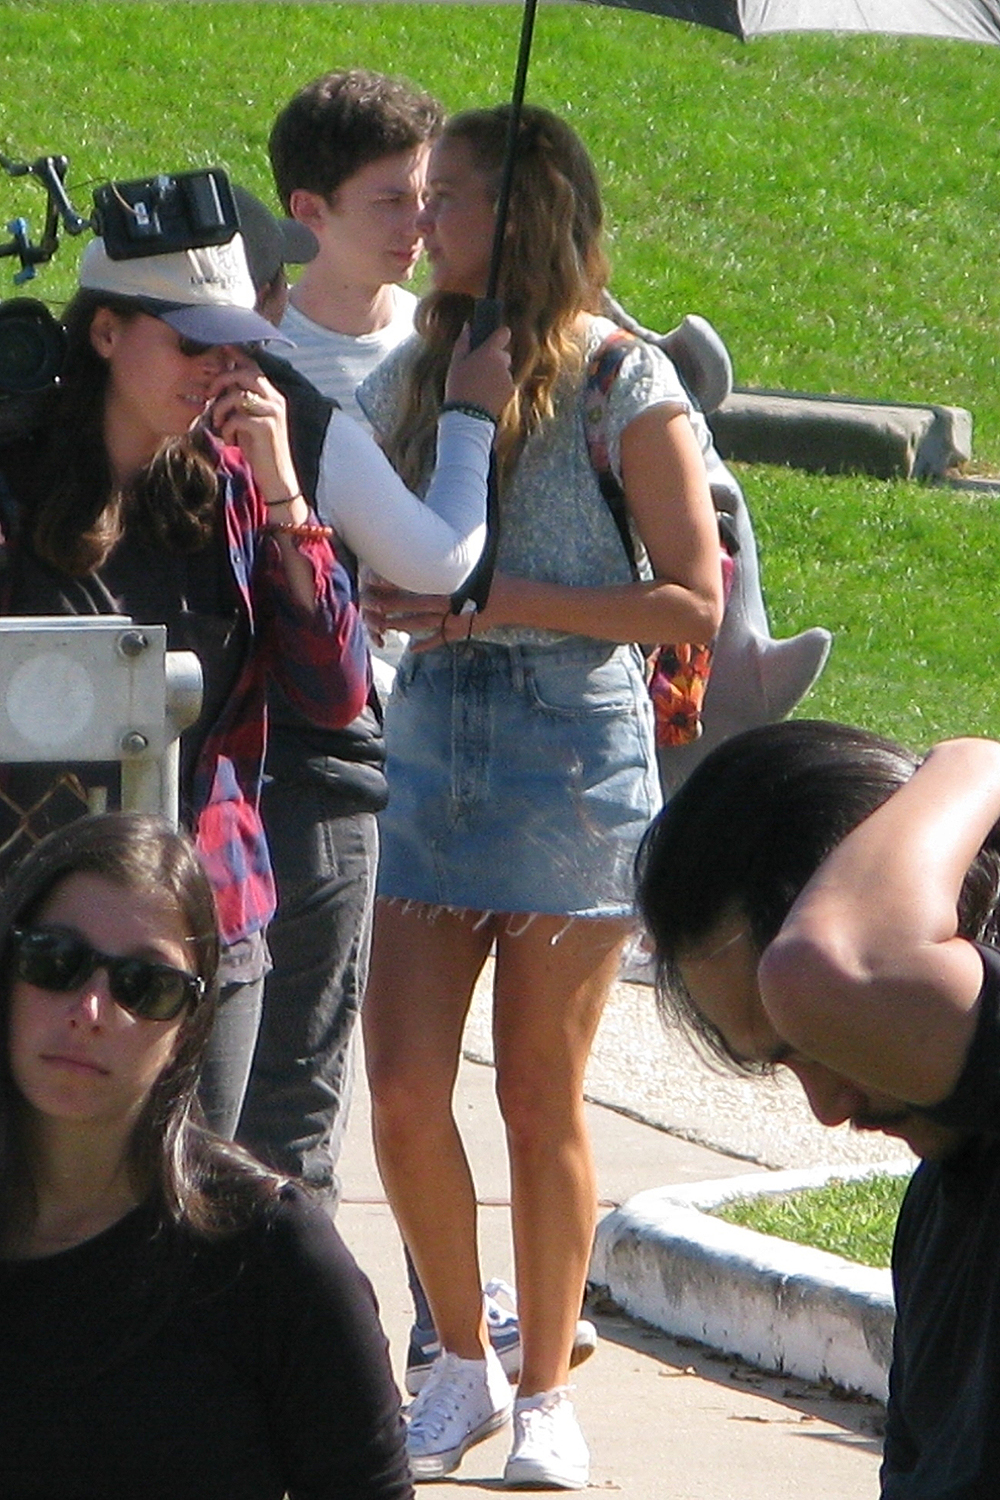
(555, 526)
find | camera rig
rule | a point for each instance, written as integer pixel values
(146, 216)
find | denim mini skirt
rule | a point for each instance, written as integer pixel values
(521, 778)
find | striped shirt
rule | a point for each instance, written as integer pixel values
(336, 363)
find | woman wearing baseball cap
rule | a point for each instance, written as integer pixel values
(157, 482)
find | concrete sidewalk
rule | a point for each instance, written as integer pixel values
(663, 1418)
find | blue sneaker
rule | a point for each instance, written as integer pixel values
(425, 1346)
(505, 1336)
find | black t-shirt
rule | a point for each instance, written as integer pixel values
(943, 1428)
(146, 1365)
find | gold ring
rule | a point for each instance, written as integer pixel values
(249, 403)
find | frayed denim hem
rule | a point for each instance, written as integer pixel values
(515, 924)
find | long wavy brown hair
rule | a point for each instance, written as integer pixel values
(553, 268)
(78, 514)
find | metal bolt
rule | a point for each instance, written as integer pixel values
(134, 743)
(133, 643)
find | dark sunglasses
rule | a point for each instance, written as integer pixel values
(191, 349)
(55, 958)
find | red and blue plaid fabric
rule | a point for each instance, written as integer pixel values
(320, 661)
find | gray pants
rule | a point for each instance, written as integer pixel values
(295, 1111)
(230, 1053)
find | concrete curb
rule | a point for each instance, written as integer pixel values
(975, 485)
(782, 1307)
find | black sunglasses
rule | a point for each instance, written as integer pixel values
(55, 958)
(191, 349)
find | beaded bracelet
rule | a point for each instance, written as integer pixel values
(303, 533)
(286, 499)
(469, 409)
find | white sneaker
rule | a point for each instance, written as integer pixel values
(462, 1402)
(549, 1451)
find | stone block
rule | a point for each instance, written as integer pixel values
(837, 435)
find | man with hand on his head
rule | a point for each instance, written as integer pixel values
(819, 900)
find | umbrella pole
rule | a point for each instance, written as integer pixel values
(488, 312)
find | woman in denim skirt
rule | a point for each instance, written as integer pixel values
(521, 773)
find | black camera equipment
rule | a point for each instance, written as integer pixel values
(32, 344)
(157, 215)
(147, 216)
(32, 347)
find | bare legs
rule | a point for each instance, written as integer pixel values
(548, 1000)
(423, 971)
(552, 979)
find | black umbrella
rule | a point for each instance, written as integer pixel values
(961, 20)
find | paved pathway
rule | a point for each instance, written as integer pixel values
(641, 1068)
(663, 1420)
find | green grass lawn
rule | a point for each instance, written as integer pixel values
(830, 203)
(907, 578)
(853, 1219)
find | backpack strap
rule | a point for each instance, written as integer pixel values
(679, 673)
(602, 371)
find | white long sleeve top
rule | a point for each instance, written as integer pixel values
(429, 546)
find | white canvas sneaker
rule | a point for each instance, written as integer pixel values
(549, 1451)
(462, 1402)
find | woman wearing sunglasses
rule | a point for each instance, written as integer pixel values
(156, 481)
(177, 1321)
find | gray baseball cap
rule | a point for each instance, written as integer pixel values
(271, 243)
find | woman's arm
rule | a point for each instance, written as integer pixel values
(309, 624)
(668, 497)
(666, 490)
(867, 974)
(312, 639)
(427, 546)
(318, 657)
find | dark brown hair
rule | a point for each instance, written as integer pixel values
(339, 123)
(77, 514)
(749, 828)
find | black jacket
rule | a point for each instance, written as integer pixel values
(348, 762)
